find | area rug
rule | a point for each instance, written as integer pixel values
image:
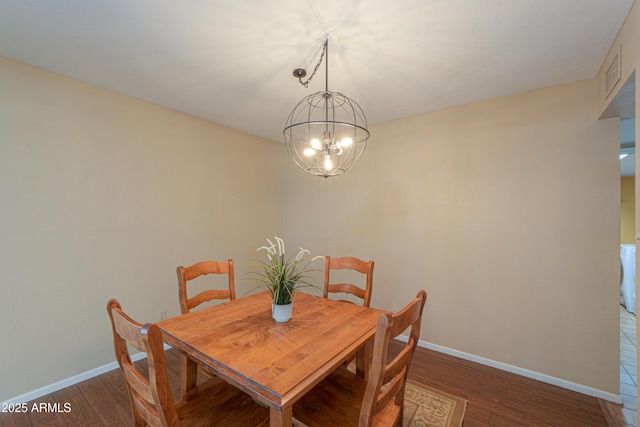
(426, 407)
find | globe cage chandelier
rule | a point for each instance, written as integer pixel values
(326, 133)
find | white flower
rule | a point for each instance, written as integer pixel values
(270, 250)
(301, 254)
(271, 243)
(280, 245)
(266, 249)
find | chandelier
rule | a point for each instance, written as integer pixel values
(326, 133)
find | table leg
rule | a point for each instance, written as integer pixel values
(363, 361)
(282, 418)
(188, 374)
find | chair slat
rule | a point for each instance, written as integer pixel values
(128, 329)
(400, 362)
(348, 288)
(148, 413)
(207, 267)
(208, 295)
(137, 382)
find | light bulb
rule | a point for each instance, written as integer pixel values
(316, 144)
(309, 152)
(346, 142)
(328, 165)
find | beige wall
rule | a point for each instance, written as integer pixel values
(103, 196)
(477, 205)
(627, 210)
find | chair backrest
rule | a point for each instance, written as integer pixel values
(349, 263)
(150, 396)
(186, 274)
(391, 374)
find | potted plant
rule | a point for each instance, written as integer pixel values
(283, 276)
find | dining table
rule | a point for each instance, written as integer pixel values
(276, 363)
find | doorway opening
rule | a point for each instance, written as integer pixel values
(628, 335)
(623, 106)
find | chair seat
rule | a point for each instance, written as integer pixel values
(216, 403)
(336, 402)
(387, 416)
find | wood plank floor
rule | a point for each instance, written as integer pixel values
(499, 398)
(496, 398)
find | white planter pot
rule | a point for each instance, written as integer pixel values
(281, 313)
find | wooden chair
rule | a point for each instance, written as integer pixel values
(189, 368)
(213, 403)
(186, 274)
(345, 399)
(363, 267)
(349, 263)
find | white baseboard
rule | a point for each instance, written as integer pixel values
(26, 397)
(611, 397)
(31, 395)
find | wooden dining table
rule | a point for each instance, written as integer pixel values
(276, 363)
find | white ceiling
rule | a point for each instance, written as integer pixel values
(231, 61)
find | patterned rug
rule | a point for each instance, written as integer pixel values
(426, 407)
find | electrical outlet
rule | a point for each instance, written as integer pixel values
(162, 314)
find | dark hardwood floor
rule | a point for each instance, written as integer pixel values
(496, 398)
(499, 398)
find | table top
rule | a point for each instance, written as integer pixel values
(275, 362)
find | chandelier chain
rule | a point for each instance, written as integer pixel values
(306, 83)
